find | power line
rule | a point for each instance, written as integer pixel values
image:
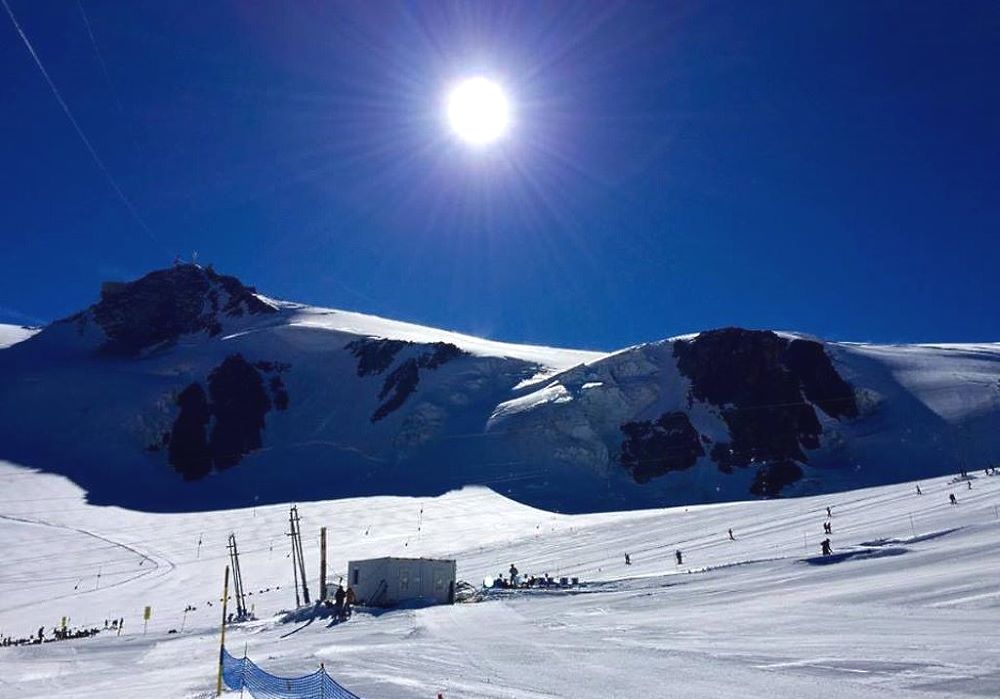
(79, 130)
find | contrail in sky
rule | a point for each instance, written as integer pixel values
(83, 137)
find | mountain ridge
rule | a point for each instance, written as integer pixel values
(188, 389)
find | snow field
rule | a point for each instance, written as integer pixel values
(912, 613)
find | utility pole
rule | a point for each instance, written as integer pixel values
(234, 559)
(222, 634)
(322, 563)
(298, 560)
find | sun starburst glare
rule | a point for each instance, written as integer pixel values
(478, 111)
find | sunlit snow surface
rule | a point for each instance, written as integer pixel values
(905, 607)
(12, 334)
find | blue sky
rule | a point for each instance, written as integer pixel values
(826, 167)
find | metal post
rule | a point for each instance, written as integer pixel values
(222, 635)
(295, 563)
(322, 563)
(302, 560)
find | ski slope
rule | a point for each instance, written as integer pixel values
(908, 605)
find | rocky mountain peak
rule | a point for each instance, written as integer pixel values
(168, 303)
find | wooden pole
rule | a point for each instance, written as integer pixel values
(322, 563)
(222, 635)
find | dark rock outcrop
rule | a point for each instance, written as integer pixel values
(220, 428)
(189, 452)
(821, 383)
(166, 304)
(375, 356)
(653, 448)
(398, 386)
(764, 386)
(239, 404)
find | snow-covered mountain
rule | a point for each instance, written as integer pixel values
(187, 389)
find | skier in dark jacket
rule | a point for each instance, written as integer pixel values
(825, 547)
(628, 560)
(680, 556)
(952, 499)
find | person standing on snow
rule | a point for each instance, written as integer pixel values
(628, 560)
(680, 556)
(952, 499)
(513, 575)
(338, 598)
(731, 537)
(349, 601)
(825, 547)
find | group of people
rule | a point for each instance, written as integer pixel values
(515, 581)
(825, 547)
(59, 633)
(343, 602)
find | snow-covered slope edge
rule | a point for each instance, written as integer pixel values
(12, 334)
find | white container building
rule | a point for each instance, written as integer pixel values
(386, 582)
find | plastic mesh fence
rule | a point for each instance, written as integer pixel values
(243, 673)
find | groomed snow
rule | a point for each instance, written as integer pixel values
(908, 606)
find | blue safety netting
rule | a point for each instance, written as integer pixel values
(243, 673)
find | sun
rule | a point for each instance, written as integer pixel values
(478, 111)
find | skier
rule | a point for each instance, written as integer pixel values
(513, 576)
(628, 560)
(338, 598)
(731, 537)
(969, 483)
(825, 547)
(680, 557)
(952, 499)
(919, 491)
(827, 528)
(828, 513)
